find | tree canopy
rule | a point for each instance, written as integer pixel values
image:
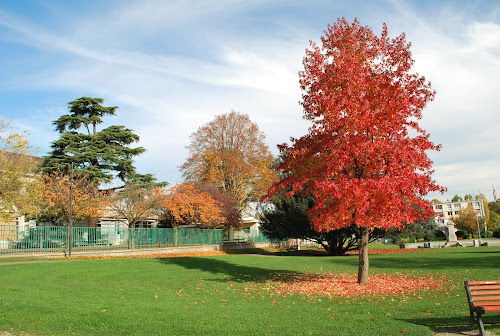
(19, 187)
(99, 155)
(467, 220)
(87, 200)
(364, 157)
(135, 203)
(230, 153)
(186, 205)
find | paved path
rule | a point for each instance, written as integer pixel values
(465, 243)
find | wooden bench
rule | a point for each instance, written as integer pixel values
(483, 297)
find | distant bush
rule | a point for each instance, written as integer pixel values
(435, 235)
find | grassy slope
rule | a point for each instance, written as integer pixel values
(223, 295)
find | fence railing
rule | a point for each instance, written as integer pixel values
(42, 239)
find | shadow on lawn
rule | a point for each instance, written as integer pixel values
(456, 323)
(235, 272)
(428, 262)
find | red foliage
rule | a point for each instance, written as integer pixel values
(364, 157)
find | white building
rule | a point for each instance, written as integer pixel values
(445, 212)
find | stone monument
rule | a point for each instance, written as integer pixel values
(451, 236)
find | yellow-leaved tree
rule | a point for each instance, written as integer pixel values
(87, 200)
(19, 186)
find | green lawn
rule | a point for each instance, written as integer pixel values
(224, 295)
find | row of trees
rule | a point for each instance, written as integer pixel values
(363, 160)
(229, 166)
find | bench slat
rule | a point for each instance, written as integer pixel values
(485, 292)
(487, 282)
(492, 303)
(484, 287)
(492, 309)
(486, 298)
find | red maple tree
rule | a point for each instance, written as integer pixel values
(364, 157)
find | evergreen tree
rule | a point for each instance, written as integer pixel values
(285, 218)
(99, 155)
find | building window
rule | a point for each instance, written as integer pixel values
(449, 206)
(439, 207)
(456, 213)
(450, 213)
(456, 205)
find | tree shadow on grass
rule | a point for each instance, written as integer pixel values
(231, 272)
(454, 324)
(427, 262)
(301, 253)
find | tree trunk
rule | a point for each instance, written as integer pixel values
(176, 236)
(131, 238)
(93, 222)
(363, 256)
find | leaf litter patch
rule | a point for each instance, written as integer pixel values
(344, 285)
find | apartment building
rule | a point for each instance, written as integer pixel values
(445, 212)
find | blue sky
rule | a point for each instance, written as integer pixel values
(171, 66)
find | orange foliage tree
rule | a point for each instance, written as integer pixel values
(87, 201)
(363, 158)
(230, 153)
(184, 204)
(467, 220)
(228, 205)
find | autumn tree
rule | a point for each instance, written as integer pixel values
(487, 213)
(467, 220)
(19, 186)
(228, 206)
(364, 158)
(135, 203)
(494, 208)
(87, 200)
(100, 155)
(230, 154)
(185, 205)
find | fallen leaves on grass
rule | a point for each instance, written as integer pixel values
(160, 255)
(390, 251)
(345, 284)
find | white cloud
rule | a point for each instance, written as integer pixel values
(172, 66)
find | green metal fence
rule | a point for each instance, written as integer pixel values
(42, 239)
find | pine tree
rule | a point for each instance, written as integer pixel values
(99, 155)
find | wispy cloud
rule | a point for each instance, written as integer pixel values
(171, 66)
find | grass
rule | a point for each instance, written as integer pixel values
(225, 295)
